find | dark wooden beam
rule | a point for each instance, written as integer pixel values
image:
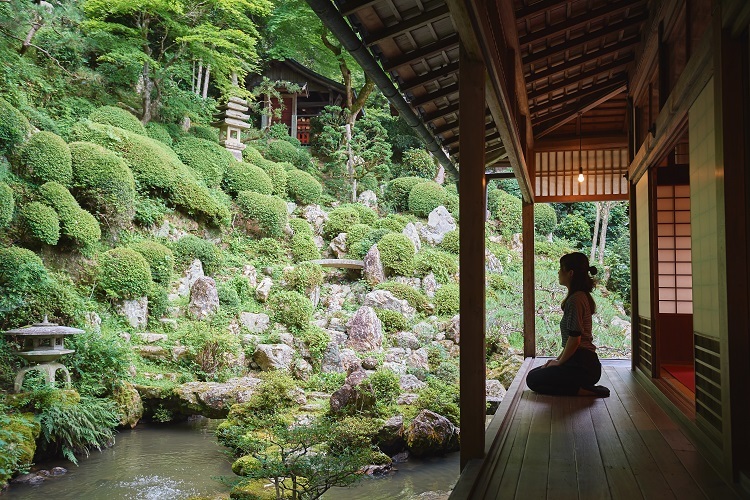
(527, 252)
(583, 60)
(428, 77)
(571, 143)
(472, 286)
(570, 80)
(407, 25)
(575, 97)
(499, 175)
(437, 94)
(535, 8)
(447, 43)
(353, 6)
(456, 138)
(609, 9)
(439, 113)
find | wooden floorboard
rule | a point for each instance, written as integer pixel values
(509, 479)
(562, 481)
(532, 480)
(592, 481)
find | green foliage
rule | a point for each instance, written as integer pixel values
(278, 175)
(361, 247)
(366, 214)
(397, 192)
(316, 339)
(160, 259)
(303, 247)
(251, 155)
(75, 222)
(447, 300)
(574, 227)
(498, 282)
(618, 260)
(291, 309)
(110, 115)
(451, 242)
(190, 247)
(392, 321)
(509, 213)
(41, 222)
(14, 127)
(396, 254)
(205, 133)
(124, 274)
(284, 151)
(240, 176)
(103, 182)
(440, 398)
(415, 297)
(7, 204)
(149, 212)
(385, 383)
(301, 226)
(326, 382)
(159, 132)
(392, 222)
(267, 213)
(426, 197)
(228, 296)
(197, 201)
(269, 251)
(304, 277)
(340, 219)
(356, 233)
(209, 350)
(418, 163)
(207, 159)
(101, 362)
(443, 265)
(545, 218)
(45, 157)
(303, 187)
(17, 442)
(158, 301)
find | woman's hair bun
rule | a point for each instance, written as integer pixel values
(593, 270)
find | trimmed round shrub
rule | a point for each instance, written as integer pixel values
(277, 173)
(356, 233)
(14, 127)
(545, 218)
(451, 204)
(205, 132)
(397, 193)
(393, 321)
(103, 182)
(415, 297)
(158, 301)
(75, 222)
(447, 300)
(301, 226)
(267, 213)
(509, 213)
(159, 132)
(124, 274)
(207, 159)
(241, 176)
(426, 197)
(291, 309)
(443, 265)
(396, 254)
(283, 151)
(366, 214)
(304, 248)
(110, 115)
(392, 222)
(493, 195)
(340, 220)
(190, 247)
(269, 250)
(196, 200)
(251, 155)
(303, 187)
(573, 227)
(41, 222)
(450, 242)
(160, 259)
(361, 247)
(46, 157)
(418, 163)
(7, 204)
(228, 296)
(304, 277)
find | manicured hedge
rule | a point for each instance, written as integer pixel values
(303, 187)
(283, 151)
(291, 309)
(415, 297)
(267, 212)
(124, 274)
(392, 321)
(301, 226)
(545, 218)
(14, 127)
(46, 157)
(366, 214)
(251, 155)
(110, 115)
(392, 222)
(41, 222)
(450, 242)
(304, 248)
(277, 173)
(75, 222)
(443, 265)
(7, 204)
(207, 159)
(241, 176)
(196, 200)
(396, 254)
(426, 197)
(205, 132)
(160, 259)
(159, 132)
(190, 247)
(356, 233)
(397, 193)
(304, 277)
(509, 213)
(339, 221)
(418, 163)
(447, 301)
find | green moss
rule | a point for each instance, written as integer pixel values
(241, 176)
(160, 259)
(267, 213)
(277, 173)
(393, 321)
(291, 309)
(303, 187)
(397, 193)
(41, 222)
(159, 132)
(366, 214)
(304, 277)
(7, 204)
(124, 274)
(110, 115)
(14, 127)
(392, 222)
(447, 300)
(443, 265)
(46, 157)
(207, 159)
(426, 197)
(75, 222)
(339, 221)
(396, 254)
(190, 247)
(103, 182)
(450, 242)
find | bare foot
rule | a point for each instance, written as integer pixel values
(597, 391)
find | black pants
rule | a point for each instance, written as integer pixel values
(582, 369)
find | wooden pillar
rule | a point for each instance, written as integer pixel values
(529, 300)
(472, 303)
(293, 128)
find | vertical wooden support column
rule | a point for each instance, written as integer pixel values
(472, 303)
(529, 300)
(293, 131)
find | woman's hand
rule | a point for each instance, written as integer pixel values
(552, 362)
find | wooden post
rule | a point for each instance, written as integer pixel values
(472, 302)
(529, 301)
(293, 128)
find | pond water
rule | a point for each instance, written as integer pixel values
(177, 461)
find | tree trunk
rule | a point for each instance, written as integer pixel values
(350, 159)
(35, 25)
(205, 81)
(146, 94)
(200, 78)
(192, 80)
(596, 231)
(603, 235)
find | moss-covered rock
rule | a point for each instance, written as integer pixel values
(46, 157)
(197, 201)
(14, 127)
(241, 176)
(160, 259)
(291, 309)
(267, 214)
(110, 115)
(303, 187)
(339, 221)
(41, 222)
(129, 404)
(396, 254)
(7, 204)
(76, 223)
(415, 297)
(124, 274)
(426, 197)
(207, 159)
(18, 433)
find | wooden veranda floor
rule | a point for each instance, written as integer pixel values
(625, 446)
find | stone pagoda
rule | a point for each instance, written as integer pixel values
(231, 121)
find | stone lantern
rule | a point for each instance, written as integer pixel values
(42, 344)
(231, 121)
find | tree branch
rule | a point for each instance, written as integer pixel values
(50, 56)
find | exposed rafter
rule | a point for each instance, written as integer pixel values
(439, 113)
(430, 76)
(447, 43)
(543, 6)
(354, 5)
(437, 94)
(566, 82)
(407, 25)
(575, 63)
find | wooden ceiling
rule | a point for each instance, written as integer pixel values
(574, 57)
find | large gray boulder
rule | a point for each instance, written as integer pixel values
(368, 198)
(316, 216)
(390, 437)
(384, 299)
(213, 399)
(495, 392)
(491, 263)
(410, 231)
(135, 312)
(204, 298)
(372, 270)
(264, 289)
(193, 273)
(431, 434)
(365, 330)
(338, 246)
(273, 356)
(331, 361)
(439, 222)
(356, 393)
(255, 322)
(410, 383)
(129, 404)
(406, 340)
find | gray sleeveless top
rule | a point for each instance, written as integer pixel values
(576, 321)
